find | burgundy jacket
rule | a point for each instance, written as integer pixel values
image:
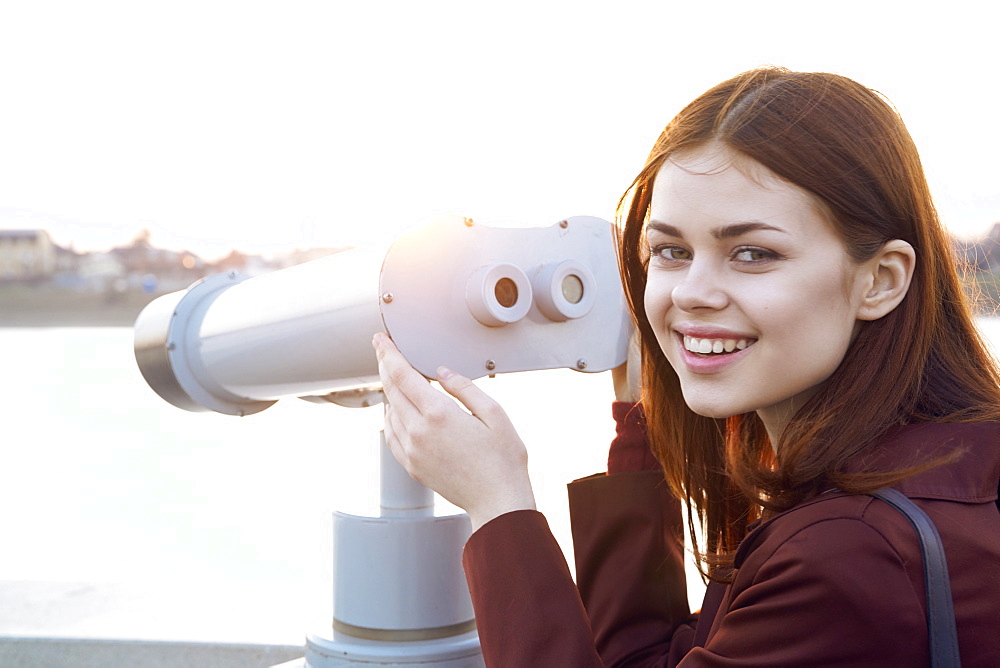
(835, 581)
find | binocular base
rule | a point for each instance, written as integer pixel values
(461, 651)
(400, 597)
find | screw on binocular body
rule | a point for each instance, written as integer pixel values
(387, 297)
(490, 365)
(564, 224)
(581, 364)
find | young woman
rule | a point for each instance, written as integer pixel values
(804, 341)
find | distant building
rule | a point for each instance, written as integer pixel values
(26, 255)
(100, 269)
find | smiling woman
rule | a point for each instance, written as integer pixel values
(832, 157)
(805, 342)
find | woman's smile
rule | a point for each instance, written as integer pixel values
(713, 346)
(707, 350)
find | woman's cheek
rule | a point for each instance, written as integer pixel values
(657, 297)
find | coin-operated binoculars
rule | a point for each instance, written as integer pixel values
(480, 300)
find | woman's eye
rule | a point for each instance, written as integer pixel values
(672, 253)
(753, 255)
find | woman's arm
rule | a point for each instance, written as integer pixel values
(631, 605)
(630, 566)
(528, 609)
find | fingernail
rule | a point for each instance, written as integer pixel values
(444, 373)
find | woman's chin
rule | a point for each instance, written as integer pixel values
(713, 409)
(712, 412)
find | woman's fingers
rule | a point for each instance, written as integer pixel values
(397, 439)
(403, 386)
(408, 389)
(478, 402)
(414, 409)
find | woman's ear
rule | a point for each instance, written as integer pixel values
(888, 278)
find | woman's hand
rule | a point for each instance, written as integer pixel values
(627, 378)
(476, 462)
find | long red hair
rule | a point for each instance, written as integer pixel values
(923, 362)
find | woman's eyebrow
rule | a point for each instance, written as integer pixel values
(738, 229)
(663, 228)
(725, 232)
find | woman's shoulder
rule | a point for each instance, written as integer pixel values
(851, 534)
(835, 514)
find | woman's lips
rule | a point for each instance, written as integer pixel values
(709, 354)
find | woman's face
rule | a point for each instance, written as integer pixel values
(750, 291)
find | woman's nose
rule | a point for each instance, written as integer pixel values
(699, 290)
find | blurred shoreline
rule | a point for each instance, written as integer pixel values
(45, 285)
(53, 306)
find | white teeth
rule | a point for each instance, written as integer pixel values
(717, 346)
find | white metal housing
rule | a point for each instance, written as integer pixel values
(480, 300)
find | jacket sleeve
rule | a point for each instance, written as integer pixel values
(629, 565)
(528, 611)
(631, 598)
(630, 449)
(627, 533)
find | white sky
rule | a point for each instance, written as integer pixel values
(282, 124)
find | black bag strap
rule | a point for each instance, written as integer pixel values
(940, 608)
(714, 594)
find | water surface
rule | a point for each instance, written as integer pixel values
(104, 482)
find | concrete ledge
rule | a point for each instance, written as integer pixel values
(215, 613)
(31, 652)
